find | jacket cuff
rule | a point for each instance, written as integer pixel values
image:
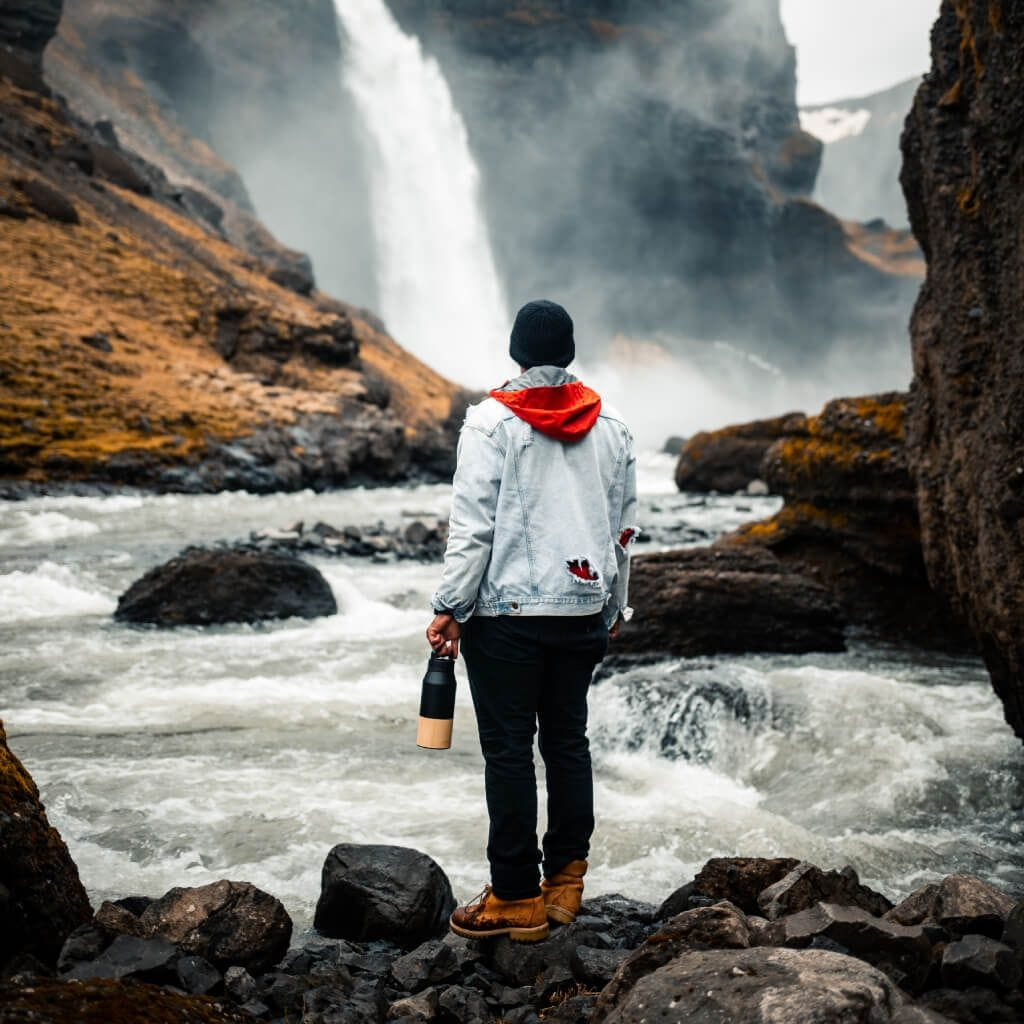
(441, 606)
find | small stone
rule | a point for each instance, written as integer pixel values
(429, 963)
(960, 903)
(595, 967)
(416, 533)
(979, 960)
(466, 1005)
(97, 340)
(240, 984)
(421, 1007)
(197, 976)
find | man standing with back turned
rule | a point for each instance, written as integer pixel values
(535, 577)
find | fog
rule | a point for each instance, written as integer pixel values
(639, 184)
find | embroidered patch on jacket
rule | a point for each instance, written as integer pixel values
(628, 536)
(581, 570)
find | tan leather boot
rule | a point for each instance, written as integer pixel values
(488, 917)
(563, 893)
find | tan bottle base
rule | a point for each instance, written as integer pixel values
(434, 734)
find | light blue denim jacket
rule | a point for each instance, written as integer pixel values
(528, 511)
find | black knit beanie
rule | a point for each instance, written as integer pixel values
(542, 336)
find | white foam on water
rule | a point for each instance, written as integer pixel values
(26, 527)
(50, 591)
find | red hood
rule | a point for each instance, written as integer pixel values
(565, 412)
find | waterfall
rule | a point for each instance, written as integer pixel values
(439, 291)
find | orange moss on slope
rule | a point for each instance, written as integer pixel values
(148, 282)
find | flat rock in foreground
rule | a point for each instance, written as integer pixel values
(206, 587)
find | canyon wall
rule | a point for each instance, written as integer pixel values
(963, 176)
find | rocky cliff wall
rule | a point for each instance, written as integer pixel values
(645, 161)
(219, 92)
(141, 347)
(963, 176)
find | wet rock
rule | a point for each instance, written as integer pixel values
(363, 1003)
(961, 904)
(197, 976)
(85, 943)
(383, 892)
(417, 1009)
(719, 927)
(1013, 931)
(965, 422)
(522, 963)
(756, 986)
(427, 964)
(240, 984)
(150, 960)
(740, 880)
(595, 967)
(417, 542)
(204, 587)
(577, 1009)
(973, 1006)
(46, 200)
(806, 885)
(27, 28)
(918, 1015)
(904, 953)
(43, 900)
(979, 960)
(465, 1005)
(118, 920)
(729, 460)
(228, 923)
(722, 600)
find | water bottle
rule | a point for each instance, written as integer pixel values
(437, 704)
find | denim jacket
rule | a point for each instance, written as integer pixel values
(539, 526)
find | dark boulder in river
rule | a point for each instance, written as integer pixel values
(383, 892)
(41, 897)
(721, 599)
(963, 159)
(203, 587)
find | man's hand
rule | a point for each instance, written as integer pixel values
(443, 635)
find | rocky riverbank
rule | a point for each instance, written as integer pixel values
(747, 939)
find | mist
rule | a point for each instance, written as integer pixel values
(636, 179)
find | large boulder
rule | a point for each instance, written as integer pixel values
(758, 986)
(230, 924)
(724, 599)
(204, 587)
(963, 160)
(850, 520)
(383, 892)
(41, 897)
(730, 459)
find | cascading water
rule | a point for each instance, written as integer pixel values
(439, 290)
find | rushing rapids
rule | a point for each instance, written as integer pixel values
(179, 757)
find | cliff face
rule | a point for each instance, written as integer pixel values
(27, 28)
(646, 161)
(963, 177)
(141, 347)
(219, 92)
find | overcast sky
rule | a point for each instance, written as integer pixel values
(848, 48)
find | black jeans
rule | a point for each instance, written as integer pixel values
(525, 671)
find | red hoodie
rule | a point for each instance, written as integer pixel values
(565, 412)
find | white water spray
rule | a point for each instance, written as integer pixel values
(439, 290)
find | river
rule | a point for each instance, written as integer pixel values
(179, 757)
